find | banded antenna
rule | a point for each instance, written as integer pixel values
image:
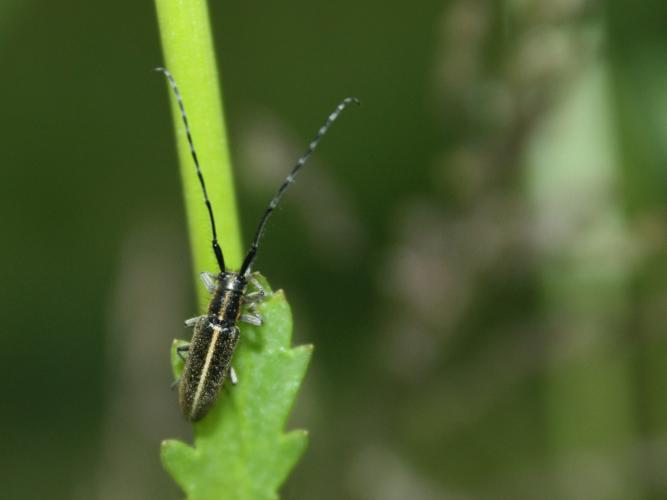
(216, 247)
(252, 253)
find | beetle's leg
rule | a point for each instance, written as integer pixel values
(253, 319)
(259, 294)
(255, 282)
(209, 280)
(232, 376)
(253, 297)
(175, 383)
(181, 349)
(251, 315)
(193, 321)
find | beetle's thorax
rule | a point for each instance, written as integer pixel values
(225, 303)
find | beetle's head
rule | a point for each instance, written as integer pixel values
(233, 281)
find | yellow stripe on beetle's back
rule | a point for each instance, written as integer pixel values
(204, 372)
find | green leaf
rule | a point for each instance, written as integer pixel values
(240, 448)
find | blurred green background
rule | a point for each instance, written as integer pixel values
(478, 253)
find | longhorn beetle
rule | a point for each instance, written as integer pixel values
(216, 333)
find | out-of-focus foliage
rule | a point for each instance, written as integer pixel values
(480, 256)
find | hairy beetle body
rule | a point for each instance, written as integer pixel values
(212, 346)
(210, 356)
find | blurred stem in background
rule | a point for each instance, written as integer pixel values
(585, 246)
(638, 45)
(190, 56)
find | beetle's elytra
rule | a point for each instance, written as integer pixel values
(234, 295)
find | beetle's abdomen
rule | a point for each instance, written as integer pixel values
(207, 365)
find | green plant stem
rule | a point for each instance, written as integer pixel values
(189, 54)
